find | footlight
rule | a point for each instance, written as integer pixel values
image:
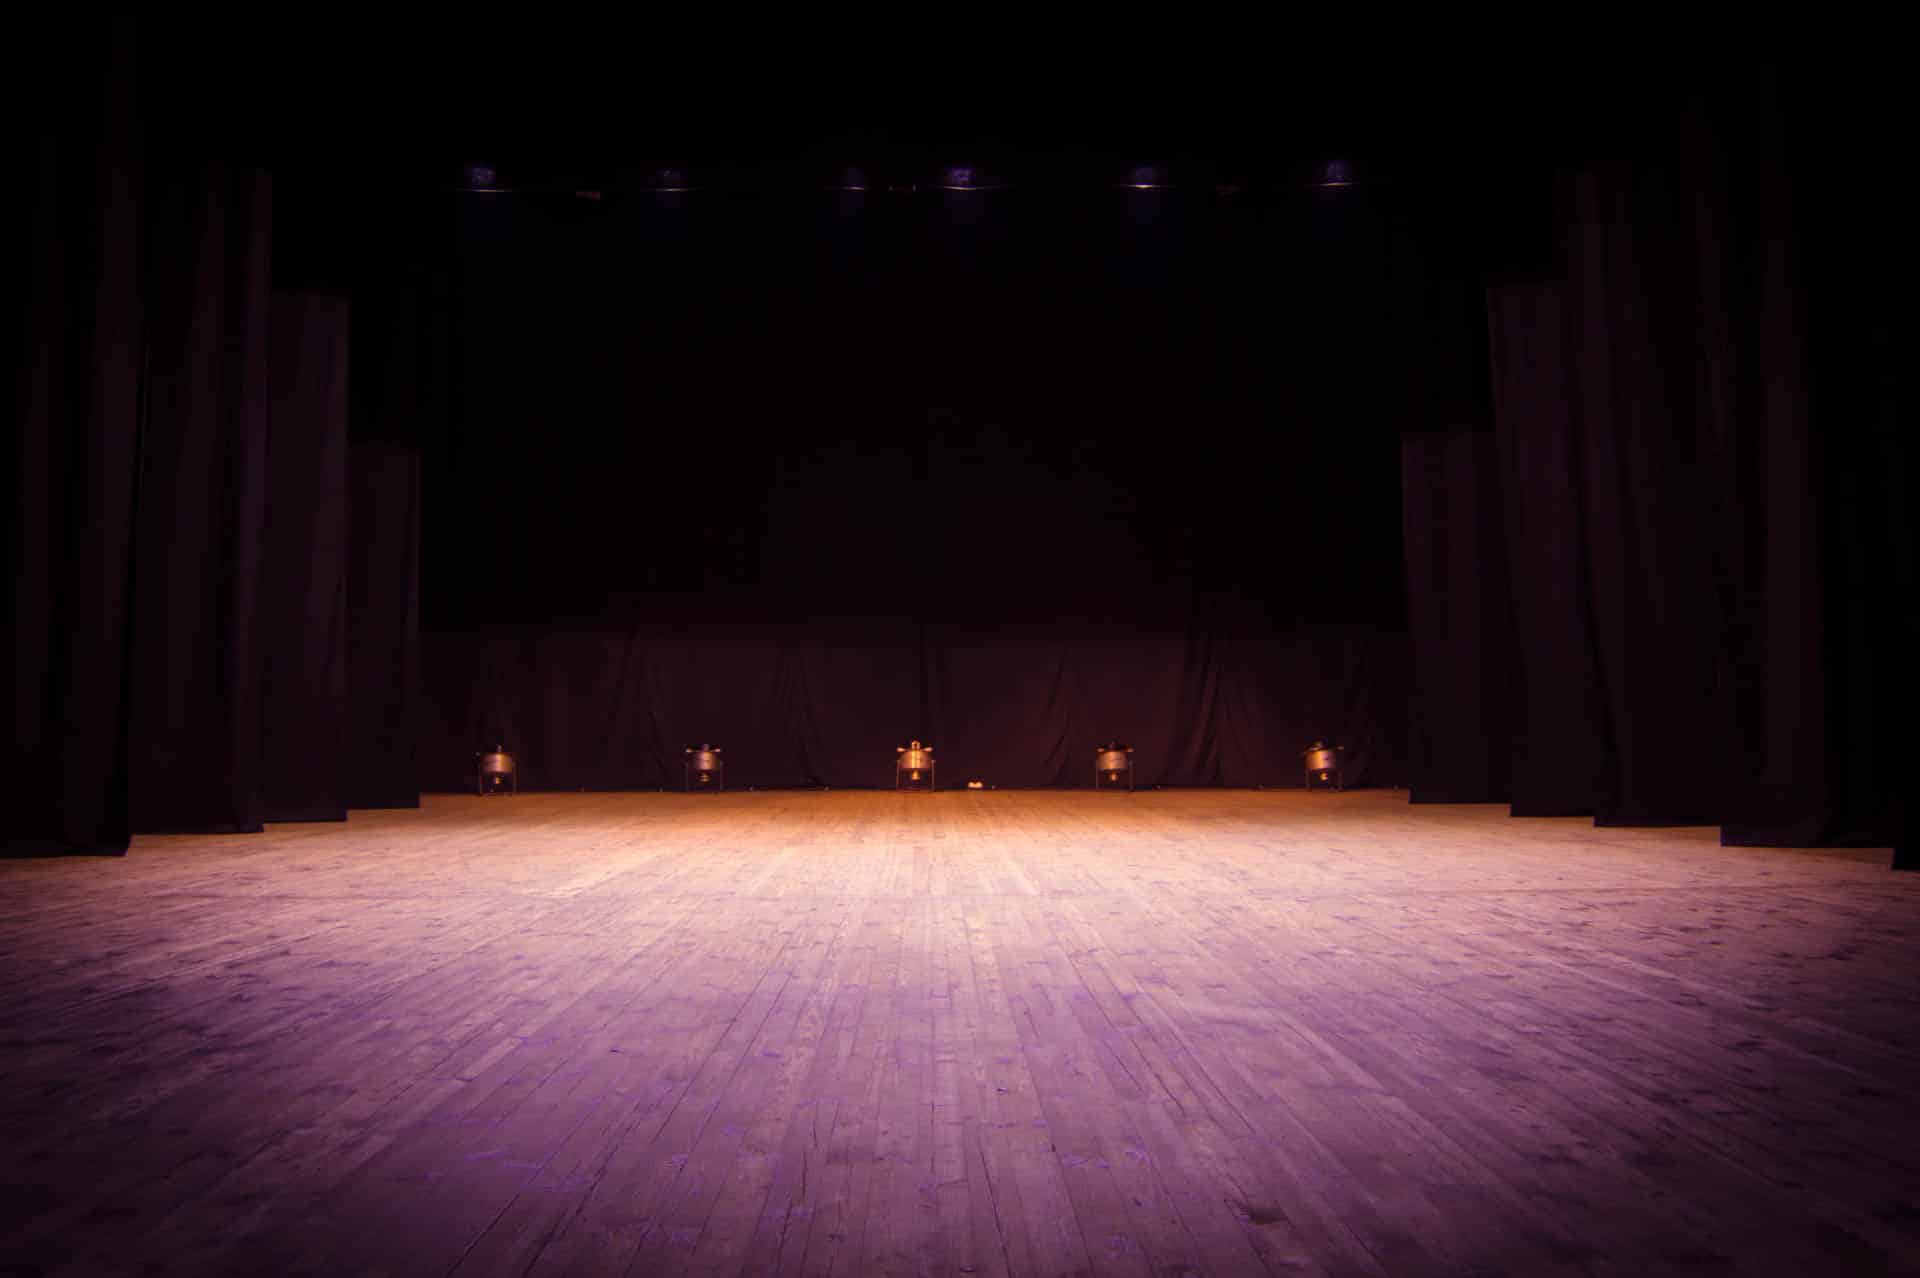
(913, 767)
(703, 769)
(497, 771)
(1112, 766)
(1323, 766)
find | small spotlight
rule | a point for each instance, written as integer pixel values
(965, 177)
(704, 769)
(1112, 764)
(1145, 177)
(913, 767)
(480, 178)
(1323, 765)
(667, 181)
(1335, 174)
(850, 179)
(497, 771)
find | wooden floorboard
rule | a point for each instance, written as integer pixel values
(1005, 1033)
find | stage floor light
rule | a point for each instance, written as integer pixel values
(703, 769)
(913, 767)
(1112, 765)
(497, 771)
(1323, 765)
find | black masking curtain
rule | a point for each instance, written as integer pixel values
(75, 354)
(178, 524)
(1657, 481)
(383, 626)
(1858, 256)
(304, 749)
(197, 644)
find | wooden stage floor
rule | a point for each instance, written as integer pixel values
(1218, 1032)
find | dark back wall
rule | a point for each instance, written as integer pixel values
(1012, 470)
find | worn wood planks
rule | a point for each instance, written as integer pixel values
(1215, 1032)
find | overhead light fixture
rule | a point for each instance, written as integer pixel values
(481, 178)
(668, 181)
(965, 177)
(1334, 174)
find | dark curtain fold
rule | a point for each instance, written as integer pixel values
(383, 626)
(1560, 757)
(1646, 489)
(1756, 428)
(75, 352)
(1857, 257)
(177, 534)
(1457, 613)
(198, 649)
(1657, 470)
(306, 692)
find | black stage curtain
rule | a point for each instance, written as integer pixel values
(825, 703)
(1860, 260)
(304, 748)
(177, 541)
(75, 350)
(1652, 468)
(1456, 612)
(196, 717)
(383, 626)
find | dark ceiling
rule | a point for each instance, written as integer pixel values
(383, 101)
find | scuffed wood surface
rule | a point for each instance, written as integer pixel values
(992, 1033)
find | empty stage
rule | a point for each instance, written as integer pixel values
(1203, 1031)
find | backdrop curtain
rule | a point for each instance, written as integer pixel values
(824, 703)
